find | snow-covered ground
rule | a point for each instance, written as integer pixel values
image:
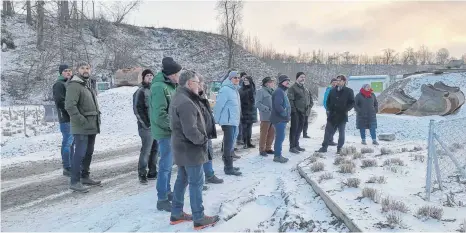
(268, 197)
(412, 127)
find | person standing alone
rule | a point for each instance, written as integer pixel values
(83, 108)
(366, 108)
(299, 98)
(264, 104)
(59, 93)
(149, 148)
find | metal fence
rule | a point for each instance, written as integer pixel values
(446, 162)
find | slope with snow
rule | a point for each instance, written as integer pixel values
(411, 127)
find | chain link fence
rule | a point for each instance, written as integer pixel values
(446, 162)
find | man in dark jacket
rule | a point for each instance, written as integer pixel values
(149, 148)
(59, 93)
(281, 114)
(163, 87)
(308, 113)
(81, 104)
(299, 97)
(339, 102)
(239, 139)
(189, 143)
(248, 110)
(209, 173)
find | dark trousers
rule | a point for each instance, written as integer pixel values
(84, 148)
(240, 132)
(296, 128)
(306, 125)
(229, 133)
(148, 154)
(247, 132)
(330, 130)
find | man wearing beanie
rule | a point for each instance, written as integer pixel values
(227, 114)
(162, 89)
(280, 115)
(299, 98)
(264, 104)
(149, 148)
(59, 93)
(81, 103)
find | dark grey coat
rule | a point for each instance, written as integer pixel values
(189, 137)
(264, 103)
(366, 111)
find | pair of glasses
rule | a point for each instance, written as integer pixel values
(235, 78)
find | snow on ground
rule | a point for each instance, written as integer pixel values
(404, 183)
(118, 130)
(412, 127)
(268, 197)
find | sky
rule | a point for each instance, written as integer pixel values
(334, 26)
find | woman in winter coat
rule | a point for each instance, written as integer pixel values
(366, 108)
(248, 111)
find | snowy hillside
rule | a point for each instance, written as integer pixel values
(27, 74)
(411, 127)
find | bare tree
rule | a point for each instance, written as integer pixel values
(29, 13)
(409, 57)
(64, 13)
(442, 56)
(118, 10)
(230, 12)
(389, 56)
(8, 8)
(346, 57)
(424, 55)
(40, 25)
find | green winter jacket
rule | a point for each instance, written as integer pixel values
(300, 100)
(162, 91)
(81, 104)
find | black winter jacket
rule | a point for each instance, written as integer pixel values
(339, 103)
(247, 96)
(59, 93)
(141, 105)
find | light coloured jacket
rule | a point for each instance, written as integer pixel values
(227, 108)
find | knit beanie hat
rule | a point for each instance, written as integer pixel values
(266, 80)
(232, 74)
(169, 66)
(62, 67)
(146, 72)
(299, 74)
(283, 78)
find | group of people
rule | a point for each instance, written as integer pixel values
(175, 121)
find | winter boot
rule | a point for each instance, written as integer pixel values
(250, 145)
(322, 150)
(232, 172)
(239, 143)
(300, 149)
(364, 142)
(245, 146)
(78, 187)
(375, 142)
(236, 168)
(204, 188)
(280, 159)
(152, 176)
(306, 136)
(207, 221)
(67, 172)
(170, 196)
(213, 180)
(164, 205)
(263, 153)
(270, 152)
(184, 217)
(89, 181)
(338, 151)
(332, 144)
(294, 150)
(143, 179)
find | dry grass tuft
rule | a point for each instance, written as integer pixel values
(325, 176)
(388, 204)
(352, 182)
(317, 167)
(347, 168)
(430, 212)
(357, 155)
(369, 163)
(377, 179)
(367, 150)
(393, 161)
(371, 193)
(386, 151)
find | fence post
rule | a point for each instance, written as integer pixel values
(24, 120)
(430, 151)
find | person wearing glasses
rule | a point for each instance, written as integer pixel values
(227, 114)
(340, 101)
(189, 140)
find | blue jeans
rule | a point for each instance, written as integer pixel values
(84, 148)
(165, 169)
(372, 131)
(194, 176)
(208, 169)
(67, 149)
(279, 138)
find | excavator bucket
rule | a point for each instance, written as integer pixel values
(396, 103)
(433, 101)
(456, 95)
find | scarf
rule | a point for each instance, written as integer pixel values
(366, 94)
